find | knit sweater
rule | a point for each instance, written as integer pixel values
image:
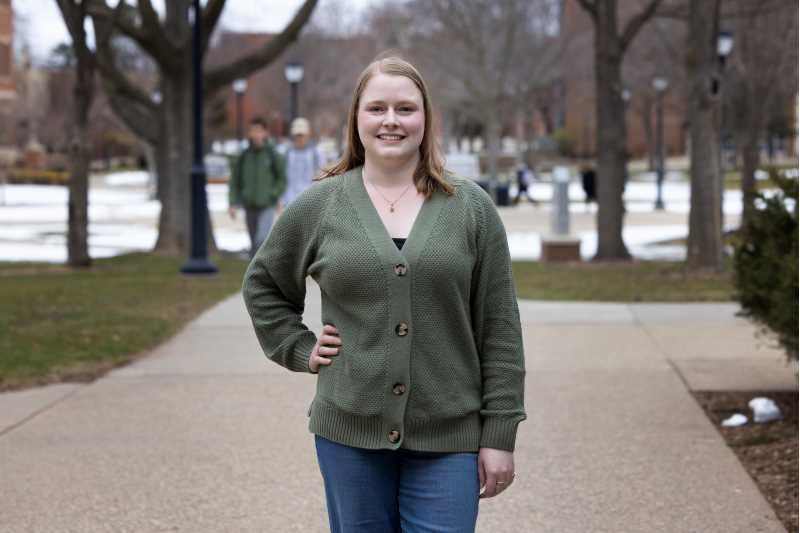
(431, 356)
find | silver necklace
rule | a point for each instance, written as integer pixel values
(391, 203)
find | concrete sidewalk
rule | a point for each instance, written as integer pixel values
(207, 435)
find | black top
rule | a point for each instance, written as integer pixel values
(399, 242)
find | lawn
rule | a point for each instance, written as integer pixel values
(637, 281)
(57, 324)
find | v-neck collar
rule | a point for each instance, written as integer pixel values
(377, 232)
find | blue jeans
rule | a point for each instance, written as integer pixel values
(394, 491)
(259, 223)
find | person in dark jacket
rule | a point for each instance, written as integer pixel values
(258, 179)
(589, 181)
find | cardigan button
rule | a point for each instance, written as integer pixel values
(401, 329)
(400, 269)
(398, 389)
(394, 436)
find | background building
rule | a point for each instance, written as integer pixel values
(7, 85)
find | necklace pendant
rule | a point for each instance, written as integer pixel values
(391, 209)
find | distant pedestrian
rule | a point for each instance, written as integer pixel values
(589, 182)
(258, 179)
(523, 182)
(303, 160)
(420, 365)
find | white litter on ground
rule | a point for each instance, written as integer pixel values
(764, 410)
(736, 419)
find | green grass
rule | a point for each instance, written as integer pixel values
(638, 281)
(58, 324)
(733, 180)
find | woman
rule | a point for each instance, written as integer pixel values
(420, 362)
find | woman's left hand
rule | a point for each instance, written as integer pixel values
(495, 470)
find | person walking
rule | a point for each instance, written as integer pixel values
(303, 160)
(258, 179)
(419, 364)
(589, 183)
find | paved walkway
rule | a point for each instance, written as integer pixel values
(206, 435)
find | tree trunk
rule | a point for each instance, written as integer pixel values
(174, 237)
(492, 145)
(80, 152)
(175, 221)
(611, 136)
(750, 160)
(704, 249)
(649, 135)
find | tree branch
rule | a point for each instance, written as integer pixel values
(149, 35)
(142, 120)
(589, 7)
(636, 23)
(123, 93)
(211, 15)
(242, 67)
(73, 16)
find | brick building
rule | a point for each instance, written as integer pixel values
(7, 85)
(579, 96)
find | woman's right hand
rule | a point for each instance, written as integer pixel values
(326, 346)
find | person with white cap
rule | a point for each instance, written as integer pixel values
(303, 160)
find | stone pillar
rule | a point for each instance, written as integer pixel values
(559, 245)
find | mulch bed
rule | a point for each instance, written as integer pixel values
(767, 451)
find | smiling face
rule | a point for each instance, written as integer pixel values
(391, 119)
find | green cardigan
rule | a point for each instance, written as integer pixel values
(431, 356)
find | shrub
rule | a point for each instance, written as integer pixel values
(765, 264)
(565, 141)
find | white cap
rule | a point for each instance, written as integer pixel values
(300, 126)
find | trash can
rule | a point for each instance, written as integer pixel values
(501, 195)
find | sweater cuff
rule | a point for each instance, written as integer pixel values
(302, 353)
(499, 433)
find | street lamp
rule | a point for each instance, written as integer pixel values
(198, 262)
(724, 48)
(239, 87)
(626, 95)
(294, 75)
(724, 45)
(660, 85)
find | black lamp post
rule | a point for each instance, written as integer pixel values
(660, 85)
(239, 87)
(724, 48)
(626, 95)
(294, 75)
(198, 262)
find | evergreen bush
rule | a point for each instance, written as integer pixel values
(766, 264)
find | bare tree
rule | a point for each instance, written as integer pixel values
(485, 58)
(80, 148)
(164, 122)
(659, 52)
(610, 46)
(761, 70)
(704, 248)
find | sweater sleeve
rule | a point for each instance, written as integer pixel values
(497, 330)
(274, 286)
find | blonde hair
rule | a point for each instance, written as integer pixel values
(430, 172)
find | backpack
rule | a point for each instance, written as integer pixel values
(272, 164)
